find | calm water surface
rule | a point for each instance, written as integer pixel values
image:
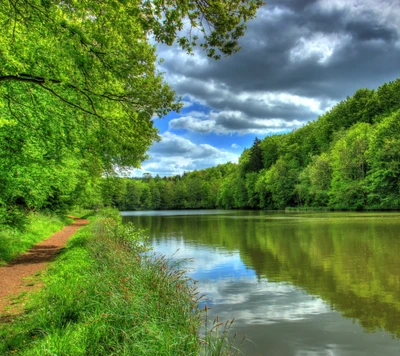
(297, 284)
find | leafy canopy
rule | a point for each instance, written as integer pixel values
(79, 84)
(94, 58)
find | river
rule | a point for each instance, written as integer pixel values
(296, 283)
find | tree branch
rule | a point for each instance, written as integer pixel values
(85, 92)
(70, 103)
(28, 78)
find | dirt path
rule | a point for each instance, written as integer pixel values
(16, 277)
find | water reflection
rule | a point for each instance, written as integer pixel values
(285, 277)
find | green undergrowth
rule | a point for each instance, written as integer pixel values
(81, 212)
(107, 294)
(38, 226)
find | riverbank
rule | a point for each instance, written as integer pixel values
(36, 227)
(107, 294)
(18, 276)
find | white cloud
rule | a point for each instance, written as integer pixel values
(318, 46)
(257, 112)
(227, 282)
(175, 155)
(229, 122)
(186, 104)
(253, 106)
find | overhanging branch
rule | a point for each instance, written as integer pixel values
(88, 94)
(69, 102)
(28, 78)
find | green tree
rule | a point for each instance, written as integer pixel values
(251, 160)
(383, 157)
(145, 198)
(155, 195)
(253, 197)
(225, 196)
(180, 194)
(349, 168)
(388, 97)
(208, 199)
(270, 149)
(167, 194)
(114, 191)
(133, 195)
(194, 191)
(280, 181)
(264, 195)
(315, 181)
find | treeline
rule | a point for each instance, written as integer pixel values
(347, 159)
(193, 190)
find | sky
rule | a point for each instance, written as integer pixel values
(298, 59)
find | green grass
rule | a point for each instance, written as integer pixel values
(108, 295)
(81, 212)
(14, 241)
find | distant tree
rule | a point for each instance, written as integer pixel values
(269, 150)
(133, 195)
(180, 194)
(194, 187)
(315, 180)
(155, 195)
(225, 195)
(145, 197)
(349, 168)
(383, 157)
(347, 159)
(280, 181)
(388, 97)
(253, 198)
(251, 159)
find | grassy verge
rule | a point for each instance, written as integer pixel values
(14, 241)
(108, 295)
(307, 209)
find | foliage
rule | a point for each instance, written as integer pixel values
(251, 160)
(383, 157)
(347, 159)
(315, 180)
(349, 168)
(220, 23)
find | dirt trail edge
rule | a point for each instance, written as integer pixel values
(13, 277)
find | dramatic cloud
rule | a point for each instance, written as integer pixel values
(228, 122)
(298, 59)
(324, 49)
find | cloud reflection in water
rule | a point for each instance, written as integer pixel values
(233, 290)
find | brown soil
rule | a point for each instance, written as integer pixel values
(21, 275)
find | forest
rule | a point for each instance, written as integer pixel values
(79, 86)
(348, 159)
